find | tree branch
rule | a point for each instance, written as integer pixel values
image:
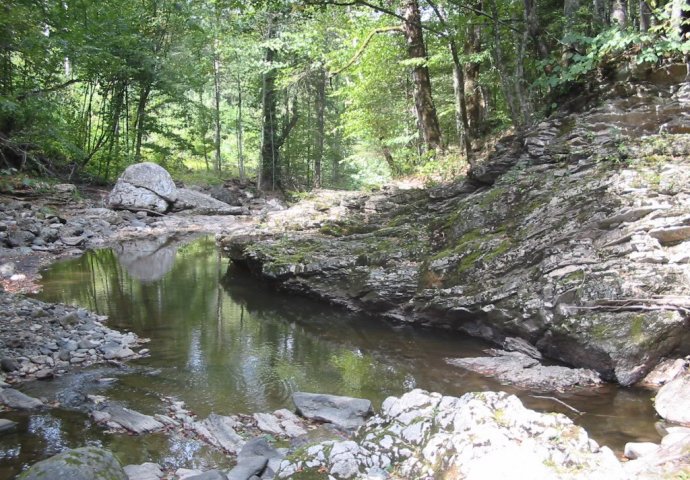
(54, 88)
(360, 50)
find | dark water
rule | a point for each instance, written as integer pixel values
(223, 343)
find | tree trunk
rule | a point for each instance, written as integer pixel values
(645, 16)
(507, 83)
(239, 130)
(570, 8)
(461, 123)
(601, 17)
(416, 50)
(140, 123)
(474, 100)
(320, 124)
(532, 28)
(270, 162)
(216, 109)
(619, 13)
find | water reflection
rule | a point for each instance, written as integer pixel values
(147, 259)
(224, 343)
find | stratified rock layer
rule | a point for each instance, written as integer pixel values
(575, 238)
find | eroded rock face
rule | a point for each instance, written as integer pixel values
(575, 239)
(477, 436)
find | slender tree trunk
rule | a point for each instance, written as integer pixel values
(239, 130)
(570, 8)
(474, 99)
(140, 123)
(601, 17)
(416, 50)
(461, 123)
(533, 29)
(270, 173)
(320, 124)
(619, 13)
(218, 160)
(507, 83)
(645, 16)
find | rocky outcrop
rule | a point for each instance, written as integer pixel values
(87, 463)
(149, 187)
(477, 436)
(574, 238)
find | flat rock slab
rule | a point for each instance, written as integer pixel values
(519, 369)
(6, 425)
(88, 463)
(210, 475)
(131, 420)
(220, 431)
(673, 400)
(145, 471)
(346, 412)
(202, 204)
(16, 399)
(247, 467)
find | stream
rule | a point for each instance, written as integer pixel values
(223, 342)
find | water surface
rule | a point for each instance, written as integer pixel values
(224, 343)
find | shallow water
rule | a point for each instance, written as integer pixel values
(224, 343)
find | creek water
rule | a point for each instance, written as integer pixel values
(225, 343)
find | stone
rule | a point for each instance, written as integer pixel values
(635, 450)
(130, 197)
(202, 204)
(220, 431)
(672, 400)
(667, 370)
(152, 177)
(268, 423)
(346, 412)
(519, 369)
(208, 475)
(247, 467)
(9, 365)
(145, 471)
(19, 401)
(115, 351)
(131, 420)
(258, 447)
(6, 425)
(87, 463)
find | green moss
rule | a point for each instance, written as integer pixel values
(577, 276)
(490, 197)
(637, 328)
(468, 261)
(502, 248)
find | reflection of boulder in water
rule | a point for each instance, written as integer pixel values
(147, 259)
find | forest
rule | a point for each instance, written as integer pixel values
(296, 95)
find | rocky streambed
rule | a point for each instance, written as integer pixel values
(570, 243)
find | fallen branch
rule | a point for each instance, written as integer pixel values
(558, 401)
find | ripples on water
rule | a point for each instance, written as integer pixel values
(223, 343)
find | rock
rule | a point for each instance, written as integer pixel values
(17, 400)
(220, 431)
(6, 425)
(202, 204)
(209, 475)
(519, 369)
(143, 186)
(666, 371)
(481, 436)
(247, 467)
(131, 420)
(87, 463)
(514, 344)
(115, 351)
(635, 450)
(258, 447)
(672, 400)
(268, 423)
(9, 365)
(145, 471)
(346, 412)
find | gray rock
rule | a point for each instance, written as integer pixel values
(16, 399)
(152, 177)
(87, 463)
(131, 420)
(202, 204)
(145, 471)
(519, 369)
(635, 450)
(247, 467)
(209, 475)
(115, 351)
(6, 425)
(9, 365)
(259, 447)
(127, 196)
(672, 400)
(220, 431)
(346, 412)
